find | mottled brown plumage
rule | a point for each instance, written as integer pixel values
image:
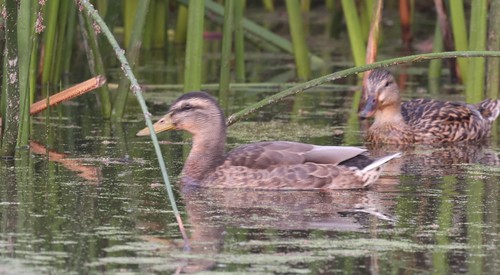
(425, 121)
(279, 165)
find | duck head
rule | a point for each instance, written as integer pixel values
(381, 91)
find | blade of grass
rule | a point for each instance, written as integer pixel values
(354, 31)
(474, 87)
(194, 46)
(26, 34)
(493, 64)
(133, 51)
(300, 51)
(239, 42)
(458, 24)
(225, 63)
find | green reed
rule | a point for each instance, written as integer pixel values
(239, 41)
(225, 62)
(458, 24)
(132, 54)
(96, 63)
(474, 87)
(51, 10)
(194, 46)
(493, 64)
(355, 32)
(25, 39)
(300, 51)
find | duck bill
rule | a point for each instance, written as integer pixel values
(370, 107)
(164, 124)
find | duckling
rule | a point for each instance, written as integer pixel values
(278, 165)
(424, 121)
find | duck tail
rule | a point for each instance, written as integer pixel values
(489, 108)
(372, 172)
(379, 162)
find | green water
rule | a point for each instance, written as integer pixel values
(94, 202)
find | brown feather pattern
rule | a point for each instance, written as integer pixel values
(280, 165)
(424, 120)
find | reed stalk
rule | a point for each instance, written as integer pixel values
(10, 91)
(133, 51)
(305, 6)
(474, 87)
(194, 46)
(26, 34)
(97, 65)
(130, 8)
(59, 46)
(239, 41)
(69, 36)
(160, 23)
(354, 31)
(300, 51)
(366, 17)
(493, 64)
(351, 71)
(225, 66)
(458, 24)
(51, 20)
(435, 66)
(127, 70)
(181, 26)
(268, 5)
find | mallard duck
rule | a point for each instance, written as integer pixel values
(282, 165)
(424, 121)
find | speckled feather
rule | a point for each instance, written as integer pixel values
(428, 120)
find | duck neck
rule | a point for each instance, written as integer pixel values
(389, 114)
(206, 153)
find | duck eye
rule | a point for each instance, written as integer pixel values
(187, 107)
(388, 83)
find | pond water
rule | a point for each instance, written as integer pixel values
(87, 196)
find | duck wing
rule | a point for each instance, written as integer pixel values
(262, 155)
(446, 121)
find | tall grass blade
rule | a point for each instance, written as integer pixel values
(51, 20)
(133, 51)
(97, 64)
(194, 46)
(354, 31)
(181, 26)
(474, 87)
(300, 51)
(225, 66)
(26, 34)
(239, 41)
(493, 64)
(458, 24)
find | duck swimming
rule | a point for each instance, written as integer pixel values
(278, 165)
(425, 121)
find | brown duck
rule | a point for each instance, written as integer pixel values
(279, 165)
(425, 121)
